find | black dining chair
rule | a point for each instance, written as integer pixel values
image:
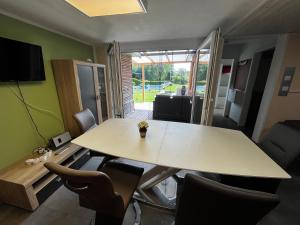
(86, 121)
(206, 202)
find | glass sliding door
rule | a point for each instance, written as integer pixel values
(205, 78)
(199, 83)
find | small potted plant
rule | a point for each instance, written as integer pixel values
(143, 125)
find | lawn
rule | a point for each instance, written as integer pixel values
(150, 94)
(173, 87)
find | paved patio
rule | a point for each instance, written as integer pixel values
(141, 115)
(142, 111)
(144, 106)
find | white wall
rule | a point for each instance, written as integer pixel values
(232, 51)
(257, 45)
(276, 108)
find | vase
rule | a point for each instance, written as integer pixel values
(143, 132)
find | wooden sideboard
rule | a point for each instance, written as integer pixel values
(27, 186)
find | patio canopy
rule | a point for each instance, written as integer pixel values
(163, 57)
(168, 57)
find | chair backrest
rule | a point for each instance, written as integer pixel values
(207, 202)
(94, 188)
(198, 109)
(282, 144)
(85, 120)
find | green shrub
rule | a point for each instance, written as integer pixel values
(154, 82)
(201, 82)
(136, 82)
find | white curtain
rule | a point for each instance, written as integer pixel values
(114, 61)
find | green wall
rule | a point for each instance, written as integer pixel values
(17, 134)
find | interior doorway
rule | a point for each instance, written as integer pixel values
(221, 103)
(258, 90)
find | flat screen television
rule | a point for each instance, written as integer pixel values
(20, 61)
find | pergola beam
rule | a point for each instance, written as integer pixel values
(167, 57)
(202, 51)
(147, 56)
(187, 56)
(143, 82)
(171, 62)
(173, 52)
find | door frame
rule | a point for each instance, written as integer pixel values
(225, 62)
(215, 42)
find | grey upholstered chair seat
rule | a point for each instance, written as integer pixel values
(206, 202)
(282, 144)
(85, 120)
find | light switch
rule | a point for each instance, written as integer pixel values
(285, 88)
(286, 81)
(287, 78)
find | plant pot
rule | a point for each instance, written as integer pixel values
(143, 132)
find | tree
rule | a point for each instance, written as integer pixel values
(202, 72)
(153, 72)
(180, 77)
(137, 71)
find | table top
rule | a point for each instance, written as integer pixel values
(182, 146)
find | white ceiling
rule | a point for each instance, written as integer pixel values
(166, 19)
(273, 17)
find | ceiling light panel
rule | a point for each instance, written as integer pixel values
(94, 8)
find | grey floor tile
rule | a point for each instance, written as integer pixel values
(45, 216)
(62, 208)
(10, 215)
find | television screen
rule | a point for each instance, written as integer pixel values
(20, 61)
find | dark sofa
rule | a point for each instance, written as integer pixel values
(176, 108)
